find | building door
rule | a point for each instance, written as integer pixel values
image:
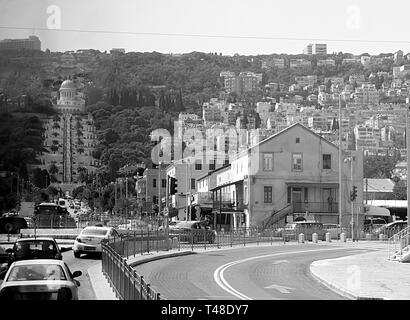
(297, 199)
(328, 200)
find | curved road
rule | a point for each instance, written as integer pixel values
(277, 272)
(85, 291)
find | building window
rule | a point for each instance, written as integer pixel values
(297, 162)
(267, 194)
(163, 183)
(154, 199)
(193, 184)
(327, 161)
(226, 162)
(198, 165)
(268, 161)
(297, 140)
(212, 165)
(154, 183)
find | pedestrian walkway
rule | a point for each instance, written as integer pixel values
(367, 275)
(101, 287)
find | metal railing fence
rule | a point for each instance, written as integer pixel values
(124, 280)
(398, 243)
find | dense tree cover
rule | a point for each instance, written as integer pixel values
(20, 140)
(400, 190)
(124, 133)
(379, 167)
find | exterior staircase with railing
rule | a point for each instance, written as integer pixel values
(399, 246)
(276, 216)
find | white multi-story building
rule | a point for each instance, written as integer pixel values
(366, 94)
(325, 62)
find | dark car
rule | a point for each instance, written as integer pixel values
(192, 232)
(34, 248)
(12, 223)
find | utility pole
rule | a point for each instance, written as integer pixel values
(352, 201)
(126, 199)
(340, 165)
(159, 188)
(166, 212)
(186, 193)
(115, 196)
(408, 162)
(366, 181)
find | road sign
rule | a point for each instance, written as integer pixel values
(166, 211)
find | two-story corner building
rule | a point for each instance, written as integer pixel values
(293, 174)
(147, 189)
(187, 171)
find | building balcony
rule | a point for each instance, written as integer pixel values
(228, 205)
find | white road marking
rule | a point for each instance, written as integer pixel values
(281, 289)
(219, 272)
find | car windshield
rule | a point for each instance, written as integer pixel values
(96, 232)
(36, 272)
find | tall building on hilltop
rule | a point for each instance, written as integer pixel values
(69, 137)
(316, 48)
(31, 43)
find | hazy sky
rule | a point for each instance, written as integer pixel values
(288, 25)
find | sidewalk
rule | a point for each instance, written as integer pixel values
(365, 275)
(101, 287)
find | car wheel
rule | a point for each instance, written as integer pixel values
(64, 294)
(77, 254)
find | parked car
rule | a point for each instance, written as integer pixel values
(391, 228)
(12, 223)
(192, 231)
(90, 238)
(42, 279)
(292, 230)
(171, 225)
(34, 248)
(371, 224)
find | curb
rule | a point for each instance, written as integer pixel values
(164, 256)
(99, 284)
(339, 290)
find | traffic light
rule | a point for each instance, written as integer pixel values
(353, 194)
(173, 186)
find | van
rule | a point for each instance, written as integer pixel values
(308, 228)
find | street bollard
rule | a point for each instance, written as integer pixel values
(343, 237)
(314, 238)
(301, 238)
(328, 238)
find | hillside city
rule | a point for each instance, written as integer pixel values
(94, 114)
(133, 153)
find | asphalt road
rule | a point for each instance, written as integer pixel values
(278, 272)
(85, 291)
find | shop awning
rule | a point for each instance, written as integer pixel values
(376, 211)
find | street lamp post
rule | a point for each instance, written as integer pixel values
(408, 162)
(340, 165)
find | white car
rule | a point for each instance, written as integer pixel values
(90, 238)
(40, 279)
